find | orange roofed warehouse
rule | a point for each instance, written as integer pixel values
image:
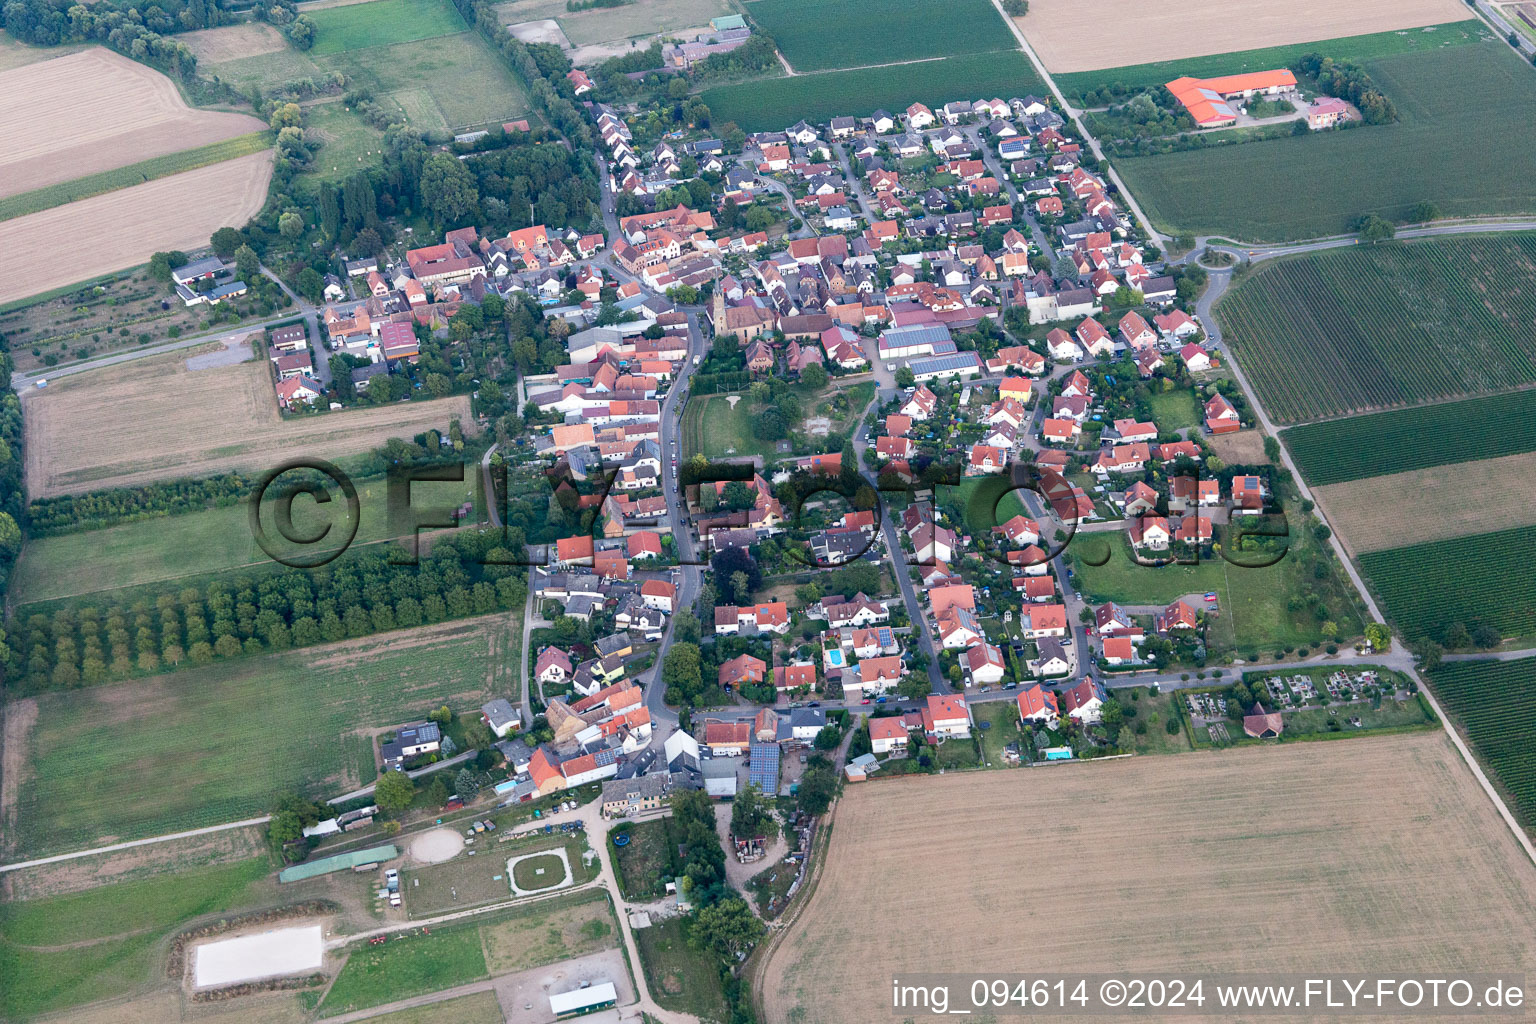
(1206, 99)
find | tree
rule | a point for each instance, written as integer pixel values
(1378, 636)
(286, 115)
(914, 686)
(437, 793)
(162, 263)
(466, 785)
(905, 378)
(312, 286)
(448, 188)
(751, 813)
(814, 376)
(1424, 212)
(1016, 8)
(393, 792)
(728, 927)
(818, 784)
(828, 738)
(1428, 654)
(290, 224)
(225, 241)
(1374, 228)
(247, 264)
(680, 673)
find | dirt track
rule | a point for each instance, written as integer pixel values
(93, 111)
(123, 229)
(1074, 35)
(1367, 854)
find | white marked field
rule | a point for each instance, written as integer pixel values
(264, 955)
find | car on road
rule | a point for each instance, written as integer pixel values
(864, 701)
(814, 704)
(880, 700)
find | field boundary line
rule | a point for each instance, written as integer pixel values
(133, 843)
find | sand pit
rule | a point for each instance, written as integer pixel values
(265, 955)
(546, 31)
(436, 846)
(1071, 35)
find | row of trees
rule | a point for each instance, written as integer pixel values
(1349, 81)
(466, 573)
(119, 24)
(12, 493)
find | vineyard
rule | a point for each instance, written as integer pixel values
(824, 35)
(1495, 702)
(1371, 327)
(1453, 146)
(1484, 579)
(771, 104)
(1407, 439)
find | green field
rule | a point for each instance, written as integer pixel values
(347, 144)
(824, 35)
(265, 71)
(1254, 603)
(1481, 579)
(1175, 410)
(1369, 327)
(641, 20)
(645, 864)
(450, 81)
(1454, 146)
(409, 964)
(190, 545)
(681, 977)
(777, 103)
(381, 23)
(1373, 46)
(1495, 704)
(63, 951)
(713, 426)
(538, 872)
(213, 744)
(133, 174)
(1407, 439)
(988, 501)
(476, 1008)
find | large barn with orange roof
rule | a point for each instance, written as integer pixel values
(1208, 99)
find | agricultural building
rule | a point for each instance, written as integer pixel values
(1208, 99)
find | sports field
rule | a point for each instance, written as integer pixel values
(1495, 704)
(129, 225)
(1371, 46)
(93, 111)
(382, 23)
(1069, 35)
(1483, 579)
(773, 103)
(1369, 327)
(210, 745)
(1422, 437)
(1307, 187)
(1322, 842)
(451, 81)
(824, 35)
(153, 419)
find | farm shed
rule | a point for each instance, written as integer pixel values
(340, 862)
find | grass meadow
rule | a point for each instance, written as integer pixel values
(214, 744)
(1482, 579)
(1423, 437)
(1373, 46)
(1254, 604)
(1495, 704)
(63, 951)
(1461, 143)
(824, 35)
(681, 977)
(347, 144)
(382, 23)
(1369, 327)
(266, 71)
(779, 102)
(448, 81)
(192, 545)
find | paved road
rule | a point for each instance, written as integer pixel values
(317, 350)
(995, 165)
(1258, 251)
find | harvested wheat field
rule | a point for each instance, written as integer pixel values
(127, 226)
(153, 419)
(93, 111)
(1422, 505)
(1086, 35)
(1368, 854)
(231, 42)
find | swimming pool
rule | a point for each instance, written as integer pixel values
(834, 658)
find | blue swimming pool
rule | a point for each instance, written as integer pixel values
(835, 658)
